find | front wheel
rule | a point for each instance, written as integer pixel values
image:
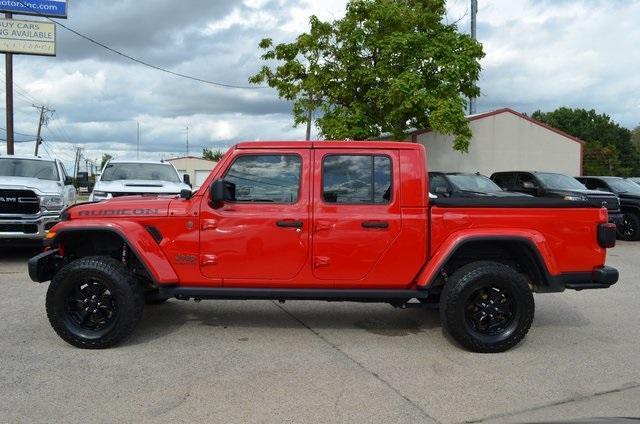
(94, 302)
(487, 307)
(629, 230)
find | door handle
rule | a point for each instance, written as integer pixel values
(289, 223)
(375, 224)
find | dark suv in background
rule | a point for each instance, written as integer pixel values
(629, 194)
(458, 184)
(561, 186)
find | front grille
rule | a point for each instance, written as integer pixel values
(19, 228)
(19, 202)
(613, 204)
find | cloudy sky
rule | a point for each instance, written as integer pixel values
(540, 54)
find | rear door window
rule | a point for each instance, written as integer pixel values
(505, 181)
(356, 179)
(526, 181)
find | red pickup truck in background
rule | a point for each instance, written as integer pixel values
(335, 221)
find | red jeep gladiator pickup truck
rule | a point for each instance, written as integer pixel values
(334, 221)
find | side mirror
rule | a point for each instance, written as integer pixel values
(186, 179)
(68, 181)
(186, 194)
(221, 191)
(217, 192)
(529, 185)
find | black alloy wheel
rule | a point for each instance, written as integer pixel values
(629, 230)
(490, 310)
(91, 306)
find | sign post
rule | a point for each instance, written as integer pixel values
(26, 37)
(9, 96)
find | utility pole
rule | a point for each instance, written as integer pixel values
(309, 118)
(76, 166)
(9, 95)
(187, 140)
(138, 145)
(44, 120)
(474, 12)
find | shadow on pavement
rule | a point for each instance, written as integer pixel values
(162, 320)
(15, 254)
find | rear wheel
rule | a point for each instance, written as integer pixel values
(94, 302)
(487, 307)
(630, 228)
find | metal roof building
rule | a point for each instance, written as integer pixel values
(197, 168)
(504, 140)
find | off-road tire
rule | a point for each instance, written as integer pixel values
(465, 283)
(633, 220)
(126, 295)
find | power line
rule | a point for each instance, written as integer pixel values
(16, 132)
(140, 61)
(22, 92)
(45, 148)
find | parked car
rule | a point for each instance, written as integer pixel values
(130, 178)
(339, 221)
(558, 186)
(33, 192)
(635, 180)
(458, 184)
(629, 195)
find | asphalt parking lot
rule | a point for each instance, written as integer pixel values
(260, 361)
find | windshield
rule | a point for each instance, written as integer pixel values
(40, 169)
(140, 171)
(478, 183)
(620, 185)
(559, 181)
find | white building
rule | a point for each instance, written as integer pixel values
(504, 140)
(197, 168)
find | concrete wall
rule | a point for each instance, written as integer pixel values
(193, 166)
(504, 142)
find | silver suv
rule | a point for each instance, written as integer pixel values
(33, 192)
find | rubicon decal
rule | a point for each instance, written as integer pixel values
(119, 212)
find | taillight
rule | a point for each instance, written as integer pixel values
(607, 235)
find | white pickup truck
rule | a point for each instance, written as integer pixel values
(33, 192)
(138, 177)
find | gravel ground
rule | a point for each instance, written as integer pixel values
(260, 361)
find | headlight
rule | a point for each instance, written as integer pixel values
(101, 195)
(576, 198)
(52, 203)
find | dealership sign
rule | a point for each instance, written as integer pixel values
(27, 37)
(50, 8)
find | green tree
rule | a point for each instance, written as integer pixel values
(635, 137)
(106, 157)
(386, 67)
(214, 155)
(609, 149)
(302, 77)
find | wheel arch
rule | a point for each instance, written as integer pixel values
(106, 239)
(527, 255)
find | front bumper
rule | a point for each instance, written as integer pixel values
(27, 227)
(601, 278)
(44, 266)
